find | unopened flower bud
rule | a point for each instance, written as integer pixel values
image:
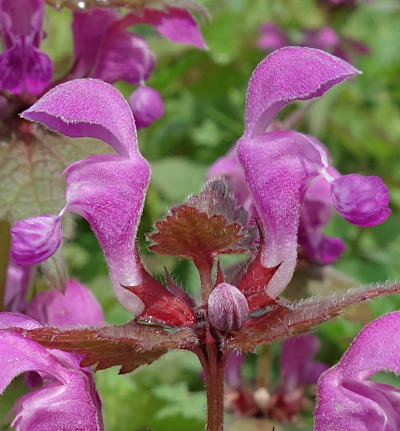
(227, 307)
(146, 105)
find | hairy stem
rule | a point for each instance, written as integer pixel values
(204, 266)
(213, 363)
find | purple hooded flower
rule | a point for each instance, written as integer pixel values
(327, 39)
(67, 397)
(293, 160)
(347, 400)
(108, 190)
(315, 212)
(23, 67)
(105, 49)
(75, 307)
(272, 37)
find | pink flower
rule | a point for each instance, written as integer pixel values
(280, 167)
(347, 400)
(108, 190)
(23, 67)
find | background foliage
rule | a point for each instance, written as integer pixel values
(204, 95)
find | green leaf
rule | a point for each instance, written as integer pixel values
(181, 402)
(31, 171)
(7, 400)
(176, 178)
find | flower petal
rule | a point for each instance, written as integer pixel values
(89, 30)
(297, 364)
(319, 248)
(109, 191)
(291, 73)
(228, 166)
(272, 37)
(175, 24)
(75, 307)
(71, 404)
(233, 369)
(278, 192)
(17, 320)
(347, 400)
(24, 67)
(146, 105)
(17, 283)
(35, 239)
(88, 108)
(361, 200)
(123, 56)
(21, 18)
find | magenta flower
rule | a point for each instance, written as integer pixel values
(105, 49)
(315, 214)
(327, 39)
(347, 399)
(23, 67)
(66, 399)
(108, 190)
(272, 37)
(298, 367)
(75, 307)
(295, 161)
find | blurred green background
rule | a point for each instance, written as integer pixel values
(204, 96)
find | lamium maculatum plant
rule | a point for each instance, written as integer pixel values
(274, 172)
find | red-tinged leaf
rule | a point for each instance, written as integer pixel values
(129, 346)
(178, 291)
(288, 318)
(161, 305)
(204, 226)
(255, 281)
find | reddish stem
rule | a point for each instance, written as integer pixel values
(204, 266)
(211, 357)
(213, 363)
